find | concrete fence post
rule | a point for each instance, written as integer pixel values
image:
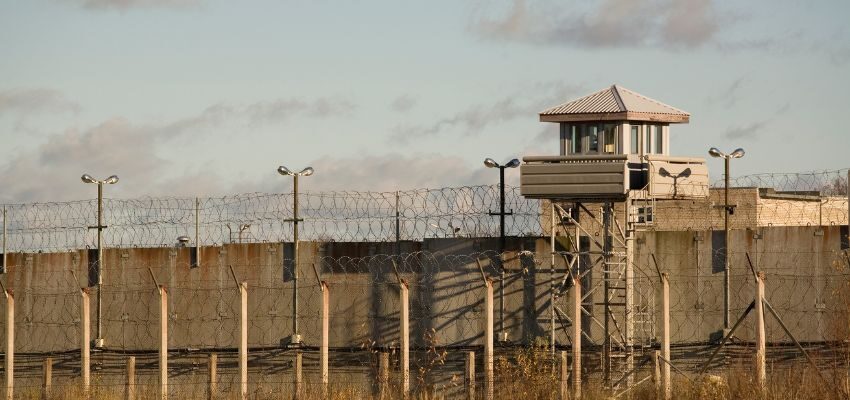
(761, 370)
(656, 375)
(665, 337)
(326, 305)
(243, 340)
(577, 316)
(85, 338)
(488, 340)
(470, 375)
(404, 332)
(10, 344)
(130, 393)
(212, 379)
(47, 375)
(163, 342)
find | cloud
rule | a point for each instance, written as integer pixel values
(525, 103)
(128, 4)
(731, 94)
(605, 24)
(33, 101)
(403, 103)
(751, 130)
(259, 114)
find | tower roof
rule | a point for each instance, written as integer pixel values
(614, 103)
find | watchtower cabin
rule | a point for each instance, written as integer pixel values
(612, 142)
(615, 162)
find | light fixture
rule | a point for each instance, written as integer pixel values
(513, 163)
(738, 153)
(490, 163)
(714, 152)
(88, 179)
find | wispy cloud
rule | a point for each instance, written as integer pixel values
(403, 103)
(525, 103)
(129, 4)
(608, 23)
(37, 100)
(753, 130)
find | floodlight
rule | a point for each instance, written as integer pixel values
(306, 171)
(490, 163)
(284, 171)
(513, 163)
(88, 179)
(738, 153)
(111, 180)
(714, 152)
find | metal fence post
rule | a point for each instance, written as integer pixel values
(488, 340)
(10, 344)
(665, 336)
(85, 338)
(577, 315)
(404, 324)
(470, 375)
(326, 300)
(761, 371)
(212, 379)
(243, 340)
(131, 378)
(163, 342)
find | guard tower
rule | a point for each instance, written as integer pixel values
(615, 162)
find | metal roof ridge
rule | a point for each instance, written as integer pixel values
(616, 91)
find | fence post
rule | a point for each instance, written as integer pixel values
(488, 340)
(383, 374)
(47, 374)
(10, 344)
(665, 337)
(131, 378)
(298, 386)
(565, 376)
(243, 340)
(212, 368)
(761, 371)
(404, 324)
(85, 338)
(577, 315)
(470, 375)
(326, 300)
(163, 342)
(656, 376)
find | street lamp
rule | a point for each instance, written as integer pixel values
(295, 339)
(86, 178)
(490, 163)
(728, 210)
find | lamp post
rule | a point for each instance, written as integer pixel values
(728, 210)
(86, 178)
(295, 339)
(490, 163)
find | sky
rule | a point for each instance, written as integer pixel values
(209, 97)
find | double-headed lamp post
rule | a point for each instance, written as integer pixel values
(490, 163)
(728, 210)
(86, 178)
(295, 339)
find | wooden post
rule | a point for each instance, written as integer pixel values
(577, 315)
(404, 324)
(565, 376)
(243, 340)
(488, 341)
(665, 337)
(470, 375)
(298, 376)
(326, 305)
(212, 381)
(163, 342)
(383, 374)
(10, 344)
(131, 378)
(656, 376)
(85, 339)
(761, 370)
(47, 374)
